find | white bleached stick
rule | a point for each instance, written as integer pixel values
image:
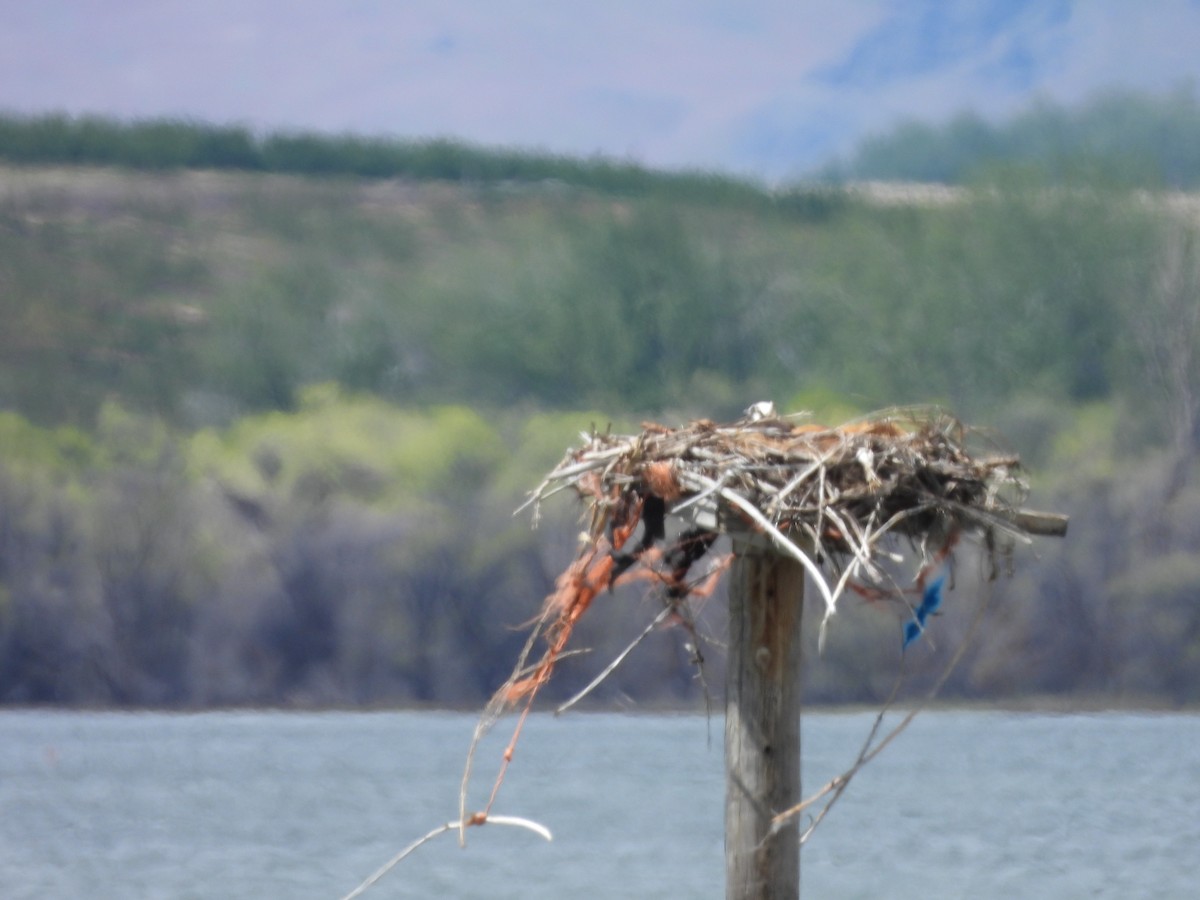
(781, 540)
(536, 827)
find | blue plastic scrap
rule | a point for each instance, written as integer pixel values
(931, 600)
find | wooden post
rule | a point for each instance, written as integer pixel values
(762, 724)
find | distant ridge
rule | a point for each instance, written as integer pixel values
(58, 139)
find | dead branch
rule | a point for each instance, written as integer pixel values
(474, 821)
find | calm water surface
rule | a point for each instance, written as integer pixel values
(229, 805)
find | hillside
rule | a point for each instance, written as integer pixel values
(199, 294)
(311, 403)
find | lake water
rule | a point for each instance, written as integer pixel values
(250, 804)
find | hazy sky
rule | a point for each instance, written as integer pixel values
(763, 87)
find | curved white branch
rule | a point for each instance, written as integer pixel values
(516, 821)
(781, 540)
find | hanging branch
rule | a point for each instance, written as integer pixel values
(617, 660)
(838, 784)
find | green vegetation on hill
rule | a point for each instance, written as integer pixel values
(179, 144)
(261, 433)
(1147, 140)
(201, 295)
(1129, 138)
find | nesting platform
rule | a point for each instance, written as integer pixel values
(814, 492)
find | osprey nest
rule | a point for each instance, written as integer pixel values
(875, 506)
(851, 503)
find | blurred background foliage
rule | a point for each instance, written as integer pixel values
(267, 402)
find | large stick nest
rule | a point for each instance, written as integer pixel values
(840, 500)
(835, 490)
(813, 492)
(797, 472)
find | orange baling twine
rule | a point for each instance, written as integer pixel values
(589, 575)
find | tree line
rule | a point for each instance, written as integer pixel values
(260, 564)
(1122, 136)
(1134, 138)
(166, 144)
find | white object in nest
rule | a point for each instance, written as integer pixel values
(867, 460)
(764, 409)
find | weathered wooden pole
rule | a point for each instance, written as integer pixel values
(762, 724)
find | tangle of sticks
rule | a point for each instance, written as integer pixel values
(851, 492)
